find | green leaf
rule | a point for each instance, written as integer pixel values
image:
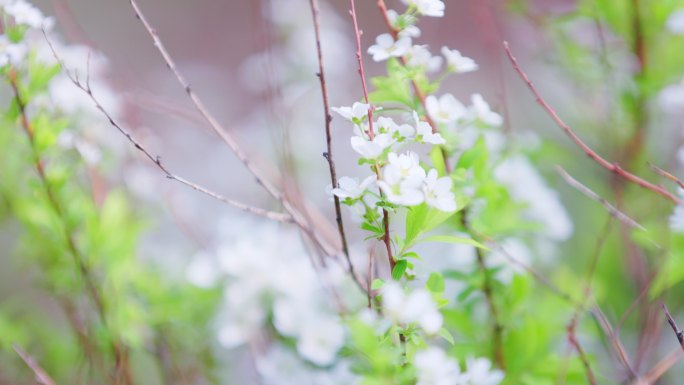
(377, 284)
(435, 283)
(399, 269)
(446, 335)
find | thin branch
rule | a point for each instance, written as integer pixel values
(328, 137)
(612, 167)
(673, 324)
(156, 159)
(359, 58)
(612, 210)
(618, 347)
(42, 377)
(659, 369)
(297, 217)
(666, 175)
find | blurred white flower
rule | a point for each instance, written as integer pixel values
(11, 52)
(438, 192)
(480, 113)
(446, 109)
(371, 149)
(434, 8)
(402, 179)
(25, 13)
(479, 372)
(320, 339)
(385, 47)
(351, 187)
(544, 205)
(357, 113)
(202, 271)
(419, 56)
(436, 368)
(458, 63)
(417, 307)
(675, 23)
(677, 217)
(671, 98)
(424, 132)
(500, 258)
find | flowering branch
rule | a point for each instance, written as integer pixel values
(385, 214)
(612, 167)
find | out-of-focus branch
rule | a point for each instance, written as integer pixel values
(666, 175)
(612, 210)
(42, 377)
(612, 167)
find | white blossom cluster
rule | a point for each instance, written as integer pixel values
(436, 368)
(402, 179)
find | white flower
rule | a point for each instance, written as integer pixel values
(202, 271)
(675, 23)
(458, 63)
(436, 368)
(385, 47)
(671, 98)
(434, 8)
(420, 57)
(11, 52)
(371, 149)
(320, 339)
(438, 192)
(399, 132)
(417, 307)
(480, 113)
(446, 109)
(402, 179)
(350, 188)
(677, 217)
(25, 14)
(479, 372)
(406, 27)
(355, 114)
(424, 132)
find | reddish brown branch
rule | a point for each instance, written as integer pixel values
(359, 58)
(673, 324)
(612, 167)
(328, 137)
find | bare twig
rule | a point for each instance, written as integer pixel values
(614, 340)
(612, 167)
(86, 88)
(666, 175)
(673, 324)
(315, 10)
(42, 377)
(659, 369)
(612, 210)
(297, 217)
